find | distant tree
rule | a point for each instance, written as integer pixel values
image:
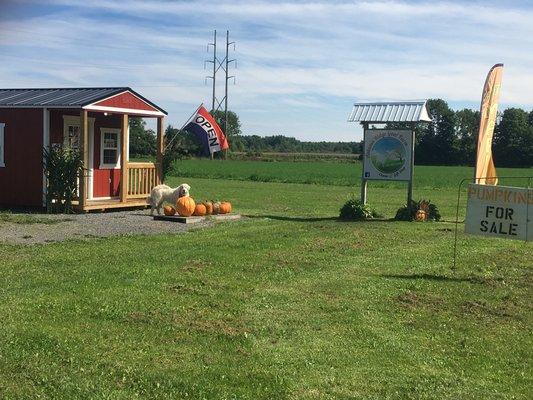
(183, 143)
(237, 144)
(234, 125)
(466, 130)
(142, 140)
(513, 139)
(438, 143)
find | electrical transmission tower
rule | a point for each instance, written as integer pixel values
(219, 65)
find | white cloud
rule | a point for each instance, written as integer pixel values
(305, 57)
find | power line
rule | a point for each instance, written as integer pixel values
(223, 65)
(215, 61)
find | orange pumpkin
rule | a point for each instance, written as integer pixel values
(185, 206)
(200, 210)
(208, 207)
(216, 207)
(225, 207)
(169, 210)
(420, 215)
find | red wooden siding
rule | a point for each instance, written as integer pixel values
(126, 100)
(21, 180)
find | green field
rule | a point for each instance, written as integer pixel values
(327, 173)
(287, 304)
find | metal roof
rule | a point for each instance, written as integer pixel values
(395, 111)
(61, 97)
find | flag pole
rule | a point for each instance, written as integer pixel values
(184, 125)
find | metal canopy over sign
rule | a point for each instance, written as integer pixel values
(500, 211)
(388, 154)
(390, 111)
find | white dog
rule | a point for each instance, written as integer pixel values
(164, 193)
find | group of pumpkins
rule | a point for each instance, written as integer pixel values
(185, 206)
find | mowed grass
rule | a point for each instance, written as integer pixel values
(329, 173)
(286, 304)
(28, 219)
(296, 201)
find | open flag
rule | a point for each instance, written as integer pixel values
(204, 126)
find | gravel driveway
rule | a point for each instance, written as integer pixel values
(56, 228)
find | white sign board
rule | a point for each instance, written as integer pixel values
(388, 154)
(500, 211)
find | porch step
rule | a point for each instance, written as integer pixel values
(101, 205)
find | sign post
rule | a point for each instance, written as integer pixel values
(410, 184)
(364, 182)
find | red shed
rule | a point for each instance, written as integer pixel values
(92, 120)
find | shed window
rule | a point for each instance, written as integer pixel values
(110, 148)
(71, 132)
(72, 138)
(2, 145)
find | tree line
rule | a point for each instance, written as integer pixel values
(284, 144)
(450, 139)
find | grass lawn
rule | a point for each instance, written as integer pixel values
(286, 304)
(28, 219)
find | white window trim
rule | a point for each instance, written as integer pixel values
(109, 166)
(2, 145)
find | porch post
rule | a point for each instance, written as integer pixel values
(124, 159)
(160, 144)
(84, 150)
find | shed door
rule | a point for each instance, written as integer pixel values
(106, 167)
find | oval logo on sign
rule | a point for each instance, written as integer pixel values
(388, 155)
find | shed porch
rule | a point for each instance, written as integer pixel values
(100, 131)
(135, 180)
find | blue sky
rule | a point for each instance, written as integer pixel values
(300, 64)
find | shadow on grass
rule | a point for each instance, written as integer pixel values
(314, 219)
(297, 219)
(430, 277)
